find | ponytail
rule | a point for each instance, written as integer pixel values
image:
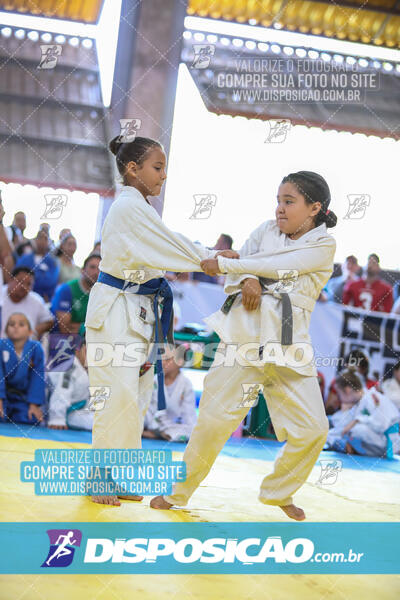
(136, 151)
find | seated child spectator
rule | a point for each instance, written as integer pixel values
(359, 426)
(69, 395)
(391, 387)
(360, 362)
(176, 422)
(22, 381)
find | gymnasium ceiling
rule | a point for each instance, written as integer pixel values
(367, 21)
(86, 11)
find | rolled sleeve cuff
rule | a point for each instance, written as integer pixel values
(58, 421)
(222, 264)
(232, 282)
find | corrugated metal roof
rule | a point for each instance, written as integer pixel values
(262, 82)
(87, 11)
(368, 21)
(53, 123)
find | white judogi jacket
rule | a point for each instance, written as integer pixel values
(270, 253)
(179, 418)
(376, 411)
(391, 389)
(375, 414)
(135, 238)
(67, 388)
(338, 422)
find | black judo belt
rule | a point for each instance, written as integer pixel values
(287, 314)
(19, 394)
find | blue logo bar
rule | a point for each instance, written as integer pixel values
(199, 548)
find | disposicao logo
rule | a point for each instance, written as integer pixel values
(62, 547)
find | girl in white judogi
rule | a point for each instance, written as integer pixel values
(282, 269)
(136, 248)
(69, 398)
(176, 422)
(338, 421)
(391, 387)
(372, 415)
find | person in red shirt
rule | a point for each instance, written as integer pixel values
(371, 292)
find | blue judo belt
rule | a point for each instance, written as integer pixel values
(163, 327)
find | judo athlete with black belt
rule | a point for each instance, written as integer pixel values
(124, 310)
(265, 312)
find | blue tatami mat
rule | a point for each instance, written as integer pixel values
(245, 447)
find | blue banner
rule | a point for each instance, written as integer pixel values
(199, 548)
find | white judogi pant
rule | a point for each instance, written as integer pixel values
(120, 423)
(297, 412)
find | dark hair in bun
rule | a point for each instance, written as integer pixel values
(314, 189)
(136, 151)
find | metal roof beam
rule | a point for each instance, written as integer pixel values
(393, 11)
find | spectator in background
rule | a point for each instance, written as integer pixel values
(396, 290)
(351, 271)
(15, 232)
(22, 249)
(22, 380)
(369, 415)
(19, 298)
(71, 299)
(65, 258)
(391, 387)
(97, 248)
(177, 316)
(344, 415)
(321, 383)
(224, 242)
(63, 233)
(371, 292)
(396, 307)
(69, 396)
(176, 422)
(359, 362)
(6, 257)
(43, 265)
(46, 227)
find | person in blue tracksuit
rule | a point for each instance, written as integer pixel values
(44, 266)
(22, 380)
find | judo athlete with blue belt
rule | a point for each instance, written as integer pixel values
(130, 306)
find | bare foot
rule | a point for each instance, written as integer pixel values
(133, 498)
(160, 503)
(110, 500)
(294, 512)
